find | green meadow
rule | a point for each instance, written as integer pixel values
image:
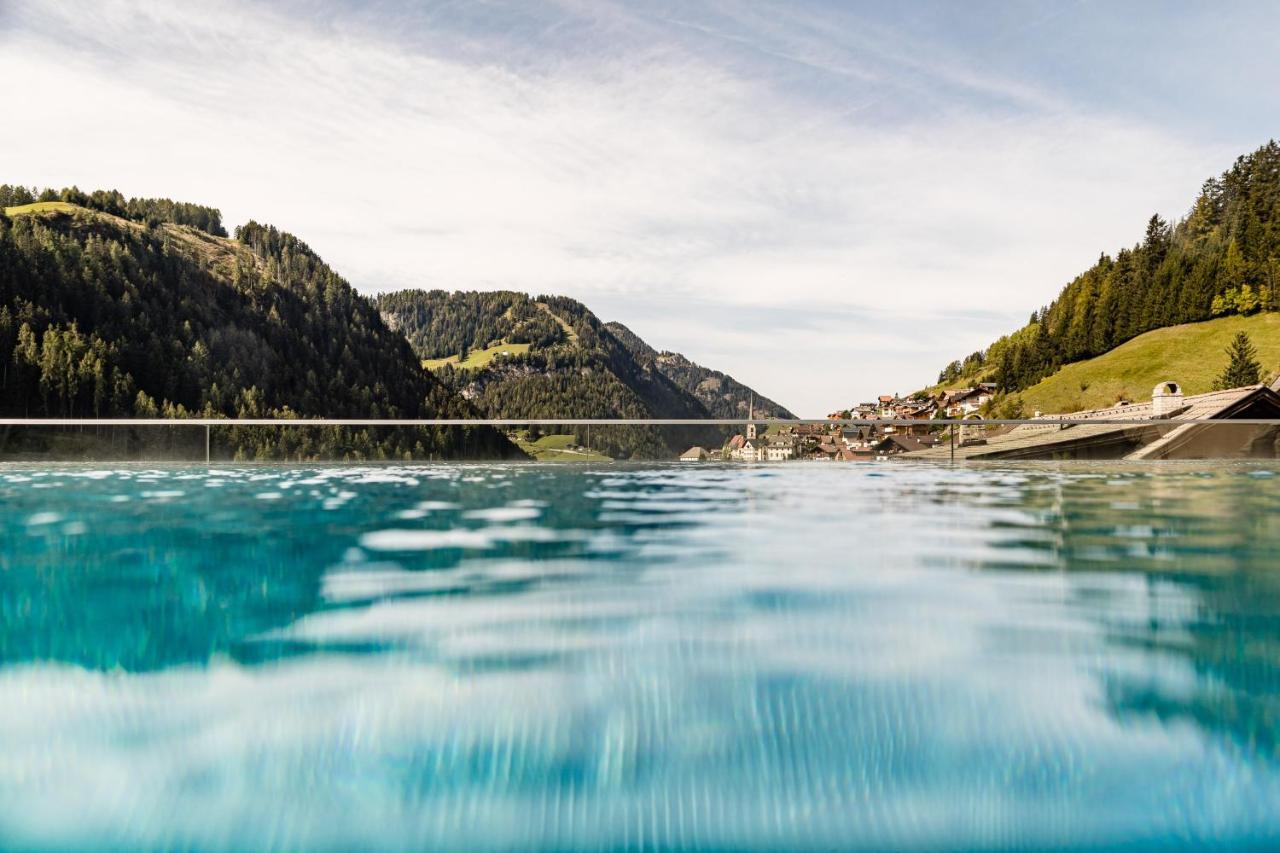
(557, 447)
(42, 207)
(1192, 355)
(477, 358)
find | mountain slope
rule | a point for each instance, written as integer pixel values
(1223, 259)
(720, 394)
(102, 315)
(1193, 355)
(546, 357)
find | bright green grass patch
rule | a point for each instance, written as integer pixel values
(42, 207)
(476, 358)
(1193, 355)
(566, 455)
(559, 441)
(558, 447)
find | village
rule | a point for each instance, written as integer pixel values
(1170, 425)
(842, 442)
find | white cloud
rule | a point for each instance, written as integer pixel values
(648, 174)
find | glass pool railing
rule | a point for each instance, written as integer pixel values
(602, 440)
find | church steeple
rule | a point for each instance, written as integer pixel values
(751, 419)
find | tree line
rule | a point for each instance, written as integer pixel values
(439, 324)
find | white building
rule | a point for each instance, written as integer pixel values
(779, 451)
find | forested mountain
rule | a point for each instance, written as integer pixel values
(114, 307)
(1222, 259)
(720, 394)
(550, 356)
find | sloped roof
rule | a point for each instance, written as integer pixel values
(1212, 406)
(1031, 437)
(1047, 437)
(908, 443)
(1197, 406)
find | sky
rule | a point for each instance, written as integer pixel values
(826, 200)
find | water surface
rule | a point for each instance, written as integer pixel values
(801, 655)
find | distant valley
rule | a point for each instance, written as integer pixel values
(512, 355)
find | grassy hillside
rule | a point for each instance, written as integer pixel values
(476, 358)
(559, 447)
(41, 207)
(1221, 260)
(1191, 355)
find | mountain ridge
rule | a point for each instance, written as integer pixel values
(721, 394)
(549, 356)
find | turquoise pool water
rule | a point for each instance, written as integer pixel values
(802, 655)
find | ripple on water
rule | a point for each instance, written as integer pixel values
(1018, 656)
(504, 513)
(40, 519)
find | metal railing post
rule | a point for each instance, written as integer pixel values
(952, 432)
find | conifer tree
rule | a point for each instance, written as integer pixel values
(1233, 266)
(1242, 365)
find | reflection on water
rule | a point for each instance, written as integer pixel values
(880, 656)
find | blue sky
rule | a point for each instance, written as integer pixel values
(827, 200)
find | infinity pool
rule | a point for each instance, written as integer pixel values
(802, 655)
